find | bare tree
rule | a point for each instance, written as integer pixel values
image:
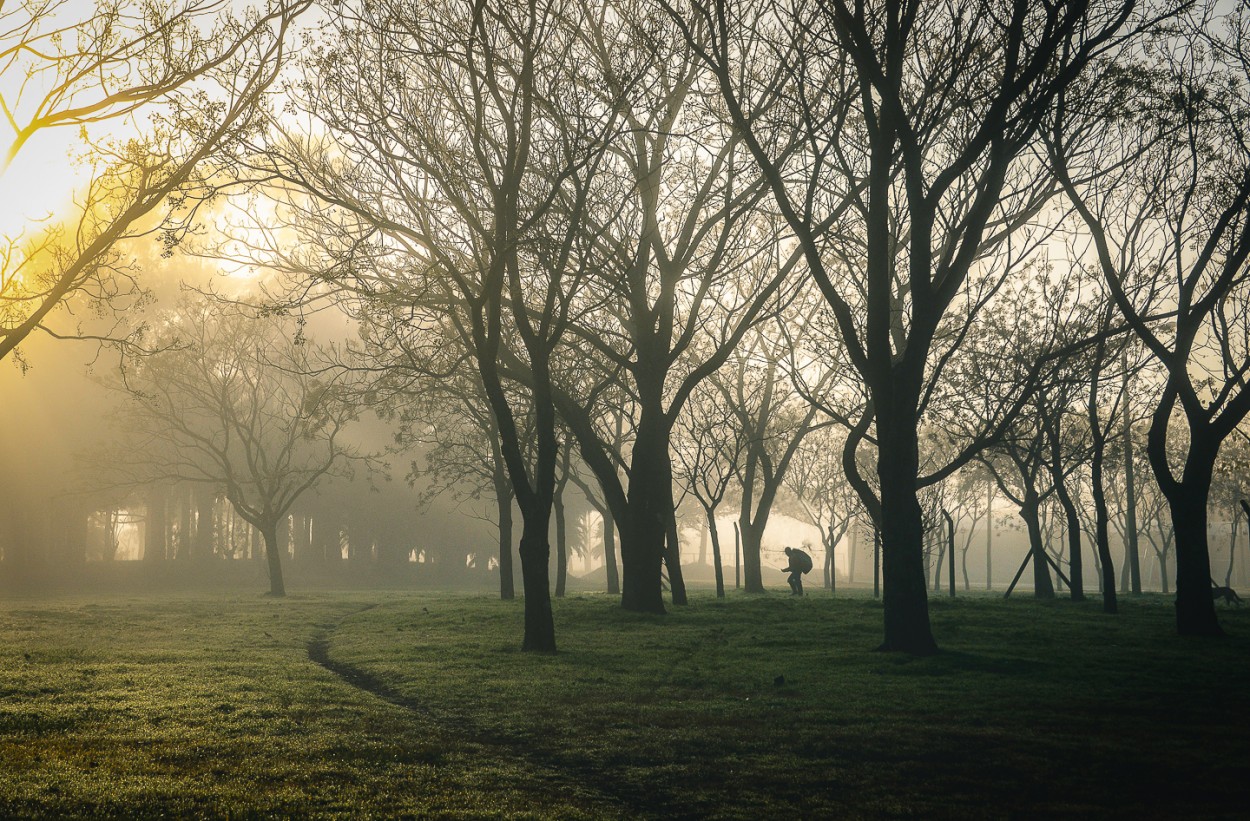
(108, 64)
(915, 119)
(234, 402)
(470, 152)
(1163, 189)
(707, 452)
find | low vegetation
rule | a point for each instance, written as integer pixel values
(383, 704)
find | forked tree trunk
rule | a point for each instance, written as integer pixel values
(1073, 525)
(1195, 608)
(1043, 586)
(716, 562)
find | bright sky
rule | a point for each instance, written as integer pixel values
(41, 181)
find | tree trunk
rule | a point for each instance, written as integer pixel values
(905, 595)
(644, 531)
(876, 562)
(737, 556)
(752, 564)
(1072, 521)
(609, 553)
(535, 551)
(1133, 554)
(1232, 547)
(828, 567)
(1195, 608)
(1101, 526)
(503, 505)
(703, 537)
(1073, 526)
(716, 563)
(950, 550)
(562, 556)
(273, 555)
(672, 560)
(1043, 587)
(963, 556)
(831, 561)
(989, 538)
(1187, 500)
(852, 549)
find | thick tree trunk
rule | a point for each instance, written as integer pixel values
(1195, 608)
(752, 564)
(716, 562)
(1043, 586)
(273, 555)
(644, 531)
(535, 551)
(906, 601)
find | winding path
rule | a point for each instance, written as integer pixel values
(598, 785)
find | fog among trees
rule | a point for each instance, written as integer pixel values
(666, 270)
(629, 299)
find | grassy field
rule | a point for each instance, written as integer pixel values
(388, 704)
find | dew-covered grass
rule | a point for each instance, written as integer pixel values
(393, 704)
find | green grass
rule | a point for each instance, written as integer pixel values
(423, 705)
